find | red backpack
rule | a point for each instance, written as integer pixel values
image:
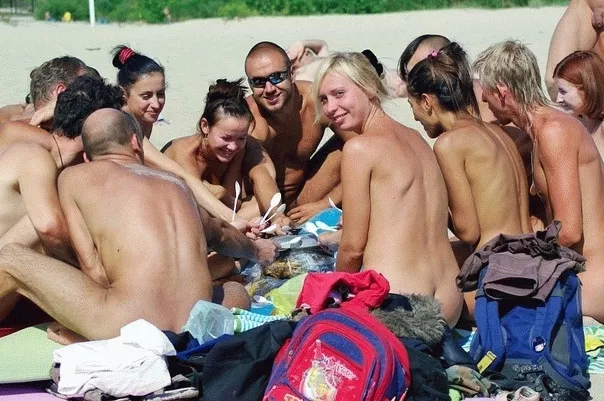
(340, 354)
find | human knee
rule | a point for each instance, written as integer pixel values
(235, 296)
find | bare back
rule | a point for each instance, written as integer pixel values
(486, 181)
(407, 216)
(291, 142)
(146, 242)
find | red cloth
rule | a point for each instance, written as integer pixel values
(368, 287)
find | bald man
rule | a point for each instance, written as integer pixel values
(286, 126)
(138, 236)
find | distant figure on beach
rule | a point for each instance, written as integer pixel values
(580, 28)
(307, 55)
(394, 195)
(123, 275)
(568, 173)
(67, 17)
(486, 182)
(579, 78)
(285, 125)
(167, 15)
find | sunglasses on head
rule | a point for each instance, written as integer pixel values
(275, 78)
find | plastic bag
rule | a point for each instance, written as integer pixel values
(208, 321)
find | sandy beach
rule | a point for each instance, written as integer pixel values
(197, 52)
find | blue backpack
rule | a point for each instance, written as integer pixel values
(538, 344)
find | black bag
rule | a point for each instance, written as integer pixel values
(237, 367)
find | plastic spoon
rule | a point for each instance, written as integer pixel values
(237, 193)
(292, 243)
(275, 200)
(280, 209)
(270, 229)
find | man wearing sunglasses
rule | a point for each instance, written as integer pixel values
(287, 128)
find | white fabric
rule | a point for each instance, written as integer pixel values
(131, 364)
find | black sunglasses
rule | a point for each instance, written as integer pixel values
(275, 78)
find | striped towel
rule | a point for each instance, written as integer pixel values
(246, 320)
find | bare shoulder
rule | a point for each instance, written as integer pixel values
(562, 127)
(33, 153)
(182, 144)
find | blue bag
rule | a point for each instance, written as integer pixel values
(534, 343)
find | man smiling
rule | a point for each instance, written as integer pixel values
(286, 126)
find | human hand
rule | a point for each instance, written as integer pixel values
(266, 251)
(302, 213)
(330, 241)
(281, 220)
(296, 51)
(597, 19)
(44, 114)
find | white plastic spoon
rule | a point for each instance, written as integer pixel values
(237, 193)
(270, 229)
(292, 243)
(275, 200)
(324, 226)
(280, 209)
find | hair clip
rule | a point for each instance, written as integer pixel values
(125, 54)
(433, 53)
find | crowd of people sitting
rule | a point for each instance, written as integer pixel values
(99, 228)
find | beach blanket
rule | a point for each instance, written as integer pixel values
(246, 320)
(26, 356)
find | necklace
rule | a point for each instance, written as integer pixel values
(59, 150)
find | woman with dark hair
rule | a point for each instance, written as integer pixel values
(484, 174)
(482, 168)
(143, 84)
(222, 153)
(579, 79)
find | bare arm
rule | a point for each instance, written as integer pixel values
(227, 240)
(356, 178)
(38, 186)
(86, 252)
(461, 202)
(558, 154)
(203, 195)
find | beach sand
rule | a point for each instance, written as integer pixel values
(195, 53)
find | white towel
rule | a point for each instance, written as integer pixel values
(131, 364)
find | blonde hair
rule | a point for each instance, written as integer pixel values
(512, 64)
(356, 68)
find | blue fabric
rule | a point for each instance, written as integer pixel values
(528, 332)
(330, 216)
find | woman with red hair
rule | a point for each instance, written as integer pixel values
(579, 78)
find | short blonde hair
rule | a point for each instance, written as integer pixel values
(512, 64)
(355, 67)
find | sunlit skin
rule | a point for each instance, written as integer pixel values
(570, 97)
(145, 99)
(388, 172)
(344, 104)
(224, 139)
